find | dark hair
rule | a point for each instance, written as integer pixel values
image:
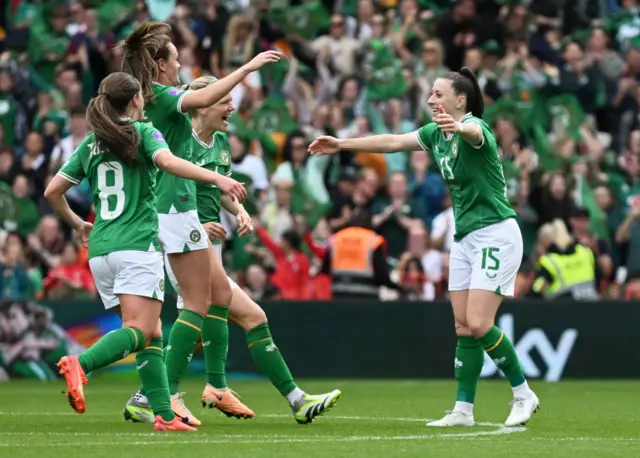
(104, 112)
(147, 44)
(361, 218)
(293, 239)
(80, 110)
(287, 152)
(465, 82)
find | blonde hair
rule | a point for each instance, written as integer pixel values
(232, 37)
(199, 83)
(562, 237)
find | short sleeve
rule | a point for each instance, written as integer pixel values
(152, 141)
(169, 99)
(487, 136)
(425, 135)
(72, 170)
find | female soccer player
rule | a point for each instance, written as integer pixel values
(487, 251)
(151, 58)
(119, 159)
(211, 149)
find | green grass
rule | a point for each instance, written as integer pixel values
(374, 419)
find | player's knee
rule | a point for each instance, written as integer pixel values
(479, 326)
(222, 295)
(157, 332)
(199, 306)
(146, 328)
(255, 318)
(462, 330)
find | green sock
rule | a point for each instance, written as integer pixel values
(469, 361)
(182, 343)
(153, 375)
(269, 360)
(215, 342)
(112, 347)
(500, 349)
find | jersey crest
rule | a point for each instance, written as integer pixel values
(454, 148)
(225, 158)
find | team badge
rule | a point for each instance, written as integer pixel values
(161, 285)
(195, 236)
(454, 148)
(224, 157)
(175, 91)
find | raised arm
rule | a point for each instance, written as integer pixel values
(387, 143)
(205, 97)
(165, 160)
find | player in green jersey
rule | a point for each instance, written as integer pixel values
(120, 160)
(212, 151)
(150, 56)
(487, 250)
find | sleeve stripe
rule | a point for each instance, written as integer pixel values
(228, 174)
(68, 177)
(420, 141)
(180, 102)
(155, 153)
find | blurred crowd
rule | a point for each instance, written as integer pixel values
(561, 84)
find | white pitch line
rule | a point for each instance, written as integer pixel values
(282, 440)
(333, 417)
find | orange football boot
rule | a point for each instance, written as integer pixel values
(75, 378)
(226, 402)
(178, 407)
(174, 425)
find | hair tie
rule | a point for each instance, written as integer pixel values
(105, 95)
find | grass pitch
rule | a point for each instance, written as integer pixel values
(374, 419)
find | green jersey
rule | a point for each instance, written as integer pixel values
(216, 157)
(123, 195)
(175, 194)
(473, 175)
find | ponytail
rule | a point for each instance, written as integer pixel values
(476, 104)
(105, 113)
(465, 82)
(142, 49)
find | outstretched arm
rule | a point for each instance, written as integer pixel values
(205, 97)
(165, 160)
(387, 143)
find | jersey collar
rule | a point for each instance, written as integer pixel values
(197, 137)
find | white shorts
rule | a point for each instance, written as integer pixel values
(128, 272)
(174, 281)
(488, 259)
(181, 232)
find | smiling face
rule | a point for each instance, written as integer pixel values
(216, 116)
(442, 93)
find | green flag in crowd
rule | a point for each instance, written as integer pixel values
(305, 20)
(273, 116)
(510, 110)
(566, 110)
(385, 80)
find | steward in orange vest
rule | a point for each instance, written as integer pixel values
(356, 261)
